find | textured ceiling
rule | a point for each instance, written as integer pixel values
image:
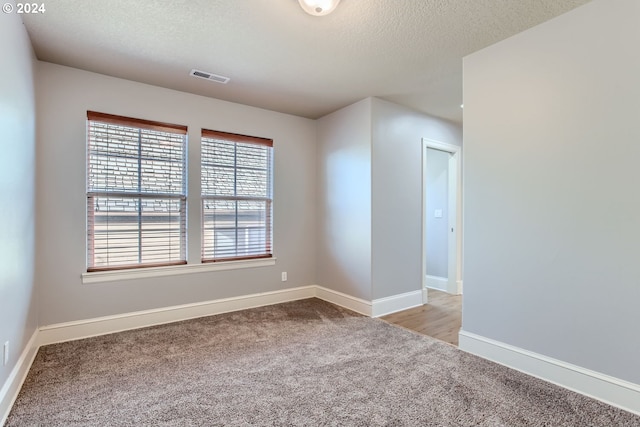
(278, 57)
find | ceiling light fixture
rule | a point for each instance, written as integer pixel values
(318, 7)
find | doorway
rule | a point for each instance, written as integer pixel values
(441, 218)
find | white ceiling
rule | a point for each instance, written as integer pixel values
(278, 57)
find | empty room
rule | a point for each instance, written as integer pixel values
(215, 212)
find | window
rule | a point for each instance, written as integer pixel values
(236, 196)
(136, 193)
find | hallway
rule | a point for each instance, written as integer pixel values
(441, 318)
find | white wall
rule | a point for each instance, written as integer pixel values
(437, 194)
(18, 311)
(344, 200)
(64, 96)
(552, 152)
(397, 193)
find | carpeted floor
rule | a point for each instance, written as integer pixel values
(304, 363)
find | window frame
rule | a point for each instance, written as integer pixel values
(92, 194)
(268, 199)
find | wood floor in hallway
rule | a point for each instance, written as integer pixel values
(441, 318)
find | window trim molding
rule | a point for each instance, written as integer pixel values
(173, 270)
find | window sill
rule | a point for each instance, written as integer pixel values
(173, 270)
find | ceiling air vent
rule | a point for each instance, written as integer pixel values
(210, 76)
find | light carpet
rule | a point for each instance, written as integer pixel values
(304, 363)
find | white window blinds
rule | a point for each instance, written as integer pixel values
(237, 187)
(136, 193)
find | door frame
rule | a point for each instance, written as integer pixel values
(454, 270)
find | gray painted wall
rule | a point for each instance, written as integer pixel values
(344, 200)
(552, 231)
(437, 234)
(370, 197)
(397, 193)
(18, 310)
(64, 96)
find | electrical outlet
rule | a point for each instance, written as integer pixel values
(284, 276)
(5, 358)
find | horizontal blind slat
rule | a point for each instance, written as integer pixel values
(138, 123)
(234, 137)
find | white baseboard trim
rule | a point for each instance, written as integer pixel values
(439, 283)
(394, 303)
(608, 389)
(13, 384)
(443, 284)
(343, 300)
(70, 331)
(86, 328)
(121, 322)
